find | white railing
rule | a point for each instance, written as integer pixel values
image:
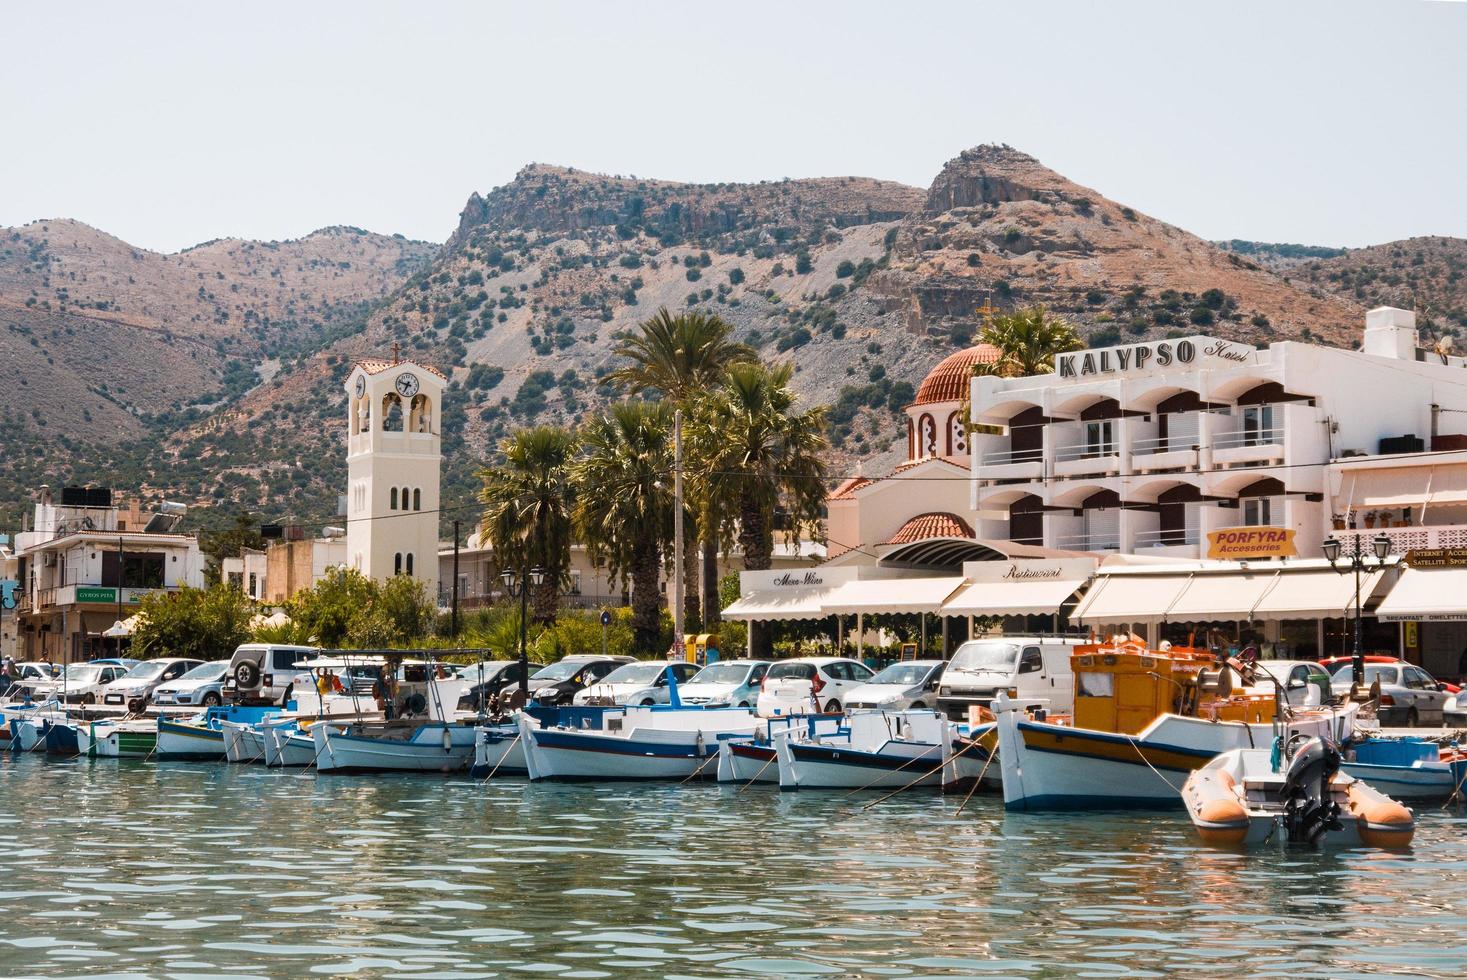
(1404, 539)
(1013, 456)
(1163, 444)
(1168, 538)
(1094, 541)
(1272, 435)
(1087, 450)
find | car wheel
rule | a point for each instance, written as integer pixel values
(832, 707)
(918, 705)
(212, 700)
(648, 702)
(745, 704)
(1413, 719)
(89, 699)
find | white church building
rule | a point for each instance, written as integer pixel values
(394, 455)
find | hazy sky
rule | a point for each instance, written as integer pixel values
(1340, 123)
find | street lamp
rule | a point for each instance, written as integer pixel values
(520, 585)
(1357, 563)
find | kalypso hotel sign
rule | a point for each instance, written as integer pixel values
(1185, 352)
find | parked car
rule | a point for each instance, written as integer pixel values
(906, 684)
(1304, 682)
(267, 671)
(202, 685)
(559, 682)
(1408, 695)
(643, 682)
(135, 688)
(31, 677)
(725, 684)
(79, 683)
(810, 685)
(489, 678)
(1034, 670)
(1454, 712)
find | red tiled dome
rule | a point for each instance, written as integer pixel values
(934, 525)
(948, 382)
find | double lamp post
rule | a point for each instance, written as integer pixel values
(1357, 561)
(519, 584)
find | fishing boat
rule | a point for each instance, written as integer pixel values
(1407, 768)
(754, 759)
(1144, 719)
(289, 747)
(885, 750)
(135, 739)
(201, 737)
(498, 751)
(634, 742)
(1248, 796)
(401, 745)
(67, 737)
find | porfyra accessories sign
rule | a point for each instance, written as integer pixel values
(1157, 354)
(1251, 542)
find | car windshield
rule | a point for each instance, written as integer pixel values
(1385, 672)
(560, 671)
(985, 655)
(903, 674)
(146, 671)
(207, 672)
(81, 674)
(635, 674)
(797, 670)
(731, 672)
(484, 668)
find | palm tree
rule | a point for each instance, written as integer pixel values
(685, 356)
(624, 507)
(1028, 341)
(527, 515)
(763, 457)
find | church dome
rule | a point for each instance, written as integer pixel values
(948, 382)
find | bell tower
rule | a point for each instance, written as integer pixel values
(393, 457)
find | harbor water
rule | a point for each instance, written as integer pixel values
(144, 869)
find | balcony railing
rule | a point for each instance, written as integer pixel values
(1087, 450)
(1163, 444)
(1404, 539)
(1237, 438)
(1013, 456)
(1092, 541)
(1168, 538)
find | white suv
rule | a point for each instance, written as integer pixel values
(810, 685)
(267, 671)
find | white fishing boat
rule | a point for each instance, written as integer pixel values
(244, 742)
(287, 747)
(753, 759)
(403, 745)
(634, 742)
(1248, 796)
(134, 739)
(1144, 719)
(1407, 768)
(196, 739)
(886, 750)
(499, 750)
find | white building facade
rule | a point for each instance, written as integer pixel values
(394, 456)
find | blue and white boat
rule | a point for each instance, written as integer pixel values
(1407, 768)
(887, 750)
(754, 758)
(634, 742)
(403, 745)
(201, 737)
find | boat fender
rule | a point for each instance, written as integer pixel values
(447, 740)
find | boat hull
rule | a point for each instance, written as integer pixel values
(338, 751)
(243, 743)
(289, 749)
(498, 751)
(743, 761)
(178, 740)
(636, 743)
(115, 742)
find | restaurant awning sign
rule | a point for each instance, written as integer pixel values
(1437, 558)
(1237, 543)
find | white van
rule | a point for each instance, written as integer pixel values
(265, 671)
(1034, 670)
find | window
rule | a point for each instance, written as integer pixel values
(397, 563)
(1100, 438)
(286, 659)
(392, 499)
(1258, 425)
(575, 582)
(253, 593)
(410, 563)
(1257, 512)
(417, 499)
(757, 674)
(1418, 680)
(1031, 662)
(1093, 684)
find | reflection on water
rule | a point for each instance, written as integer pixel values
(137, 869)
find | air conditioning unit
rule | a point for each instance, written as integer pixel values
(48, 560)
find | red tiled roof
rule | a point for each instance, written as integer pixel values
(909, 464)
(948, 382)
(376, 365)
(934, 525)
(848, 489)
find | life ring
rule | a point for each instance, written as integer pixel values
(415, 704)
(247, 675)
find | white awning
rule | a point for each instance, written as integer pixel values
(1113, 598)
(1434, 594)
(1419, 485)
(771, 604)
(1222, 595)
(1319, 593)
(1012, 598)
(891, 595)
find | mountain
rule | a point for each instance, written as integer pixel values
(864, 283)
(1428, 275)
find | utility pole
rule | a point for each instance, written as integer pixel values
(455, 579)
(677, 528)
(121, 561)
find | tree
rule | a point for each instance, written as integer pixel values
(527, 517)
(685, 357)
(206, 624)
(625, 504)
(323, 613)
(230, 542)
(763, 457)
(1028, 341)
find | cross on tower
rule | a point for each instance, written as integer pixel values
(987, 309)
(394, 352)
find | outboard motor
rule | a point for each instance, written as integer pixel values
(1309, 807)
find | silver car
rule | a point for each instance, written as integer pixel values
(1409, 696)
